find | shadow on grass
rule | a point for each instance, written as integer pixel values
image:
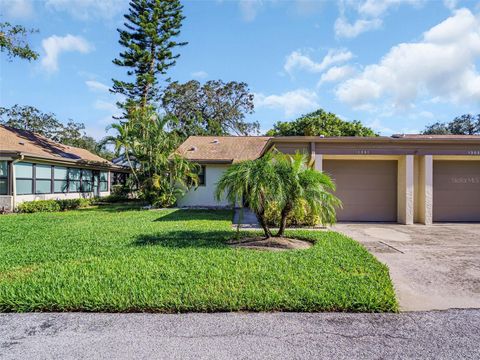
(117, 207)
(186, 239)
(195, 214)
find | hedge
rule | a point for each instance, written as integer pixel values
(52, 205)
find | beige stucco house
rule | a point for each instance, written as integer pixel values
(404, 178)
(33, 167)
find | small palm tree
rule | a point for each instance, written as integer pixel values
(283, 179)
(251, 182)
(302, 183)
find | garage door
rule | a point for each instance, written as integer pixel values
(368, 189)
(456, 191)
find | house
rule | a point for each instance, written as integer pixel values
(403, 178)
(33, 167)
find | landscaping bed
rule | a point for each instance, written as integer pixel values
(123, 259)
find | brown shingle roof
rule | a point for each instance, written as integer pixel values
(30, 144)
(227, 149)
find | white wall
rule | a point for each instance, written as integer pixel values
(204, 195)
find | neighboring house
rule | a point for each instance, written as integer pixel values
(33, 167)
(403, 178)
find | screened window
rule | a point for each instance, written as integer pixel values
(3, 178)
(60, 175)
(87, 181)
(43, 179)
(74, 176)
(24, 178)
(103, 181)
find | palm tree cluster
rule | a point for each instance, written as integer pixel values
(147, 146)
(282, 179)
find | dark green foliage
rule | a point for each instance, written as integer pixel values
(301, 215)
(12, 41)
(214, 108)
(122, 259)
(320, 123)
(149, 42)
(52, 205)
(462, 125)
(46, 124)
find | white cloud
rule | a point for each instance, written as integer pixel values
(291, 102)
(250, 8)
(450, 4)
(88, 9)
(17, 9)
(337, 73)
(106, 106)
(97, 86)
(199, 74)
(301, 61)
(369, 13)
(441, 65)
(345, 29)
(54, 45)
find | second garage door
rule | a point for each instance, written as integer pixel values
(456, 190)
(367, 188)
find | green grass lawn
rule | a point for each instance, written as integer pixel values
(120, 259)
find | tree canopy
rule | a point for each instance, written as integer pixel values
(13, 41)
(319, 123)
(46, 124)
(214, 108)
(149, 41)
(466, 124)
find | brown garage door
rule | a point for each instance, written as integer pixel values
(456, 190)
(368, 189)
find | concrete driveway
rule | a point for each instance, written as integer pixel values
(433, 267)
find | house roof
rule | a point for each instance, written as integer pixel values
(29, 144)
(222, 149)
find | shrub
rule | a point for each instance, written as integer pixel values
(39, 206)
(52, 205)
(301, 215)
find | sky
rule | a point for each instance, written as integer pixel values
(395, 65)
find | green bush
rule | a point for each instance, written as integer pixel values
(300, 216)
(39, 206)
(52, 205)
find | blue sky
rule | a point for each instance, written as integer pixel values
(396, 65)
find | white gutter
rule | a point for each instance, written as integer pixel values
(14, 183)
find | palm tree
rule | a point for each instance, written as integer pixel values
(282, 179)
(302, 183)
(251, 182)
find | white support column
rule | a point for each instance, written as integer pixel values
(405, 190)
(319, 162)
(425, 191)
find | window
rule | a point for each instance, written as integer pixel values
(3, 178)
(201, 175)
(24, 178)
(60, 179)
(103, 181)
(87, 181)
(74, 176)
(43, 179)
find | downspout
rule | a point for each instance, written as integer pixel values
(14, 183)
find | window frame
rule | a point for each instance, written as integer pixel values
(36, 178)
(32, 179)
(55, 179)
(6, 177)
(202, 174)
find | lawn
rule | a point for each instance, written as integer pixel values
(119, 259)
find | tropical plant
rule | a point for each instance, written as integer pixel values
(279, 179)
(147, 146)
(301, 183)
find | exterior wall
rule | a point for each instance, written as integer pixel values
(6, 202)
(424, 190)
(405, 190)
(204, 195)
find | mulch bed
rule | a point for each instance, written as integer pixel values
(271, 244)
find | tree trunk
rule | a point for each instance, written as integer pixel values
(283, 222)
(263, 223)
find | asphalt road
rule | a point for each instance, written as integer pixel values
(453, 334)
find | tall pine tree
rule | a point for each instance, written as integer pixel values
(149, 42)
